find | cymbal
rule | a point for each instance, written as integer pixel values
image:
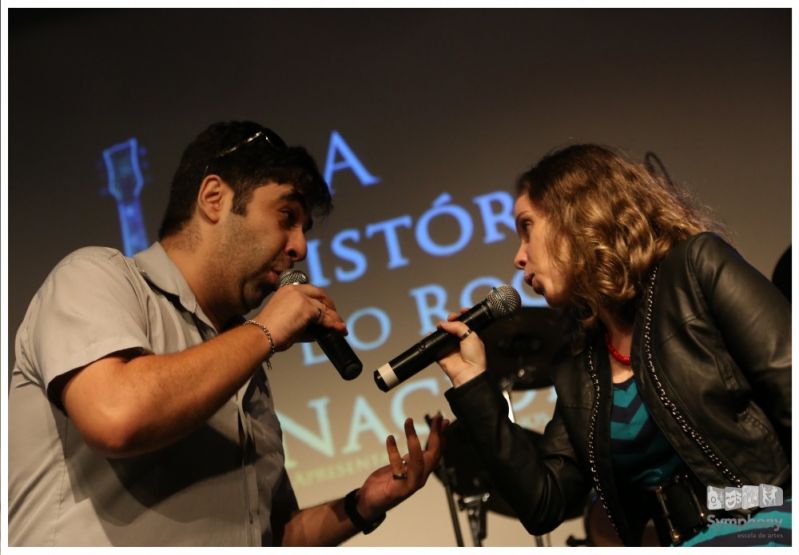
(521, 347)
(467, 475)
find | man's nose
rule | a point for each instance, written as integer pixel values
(297, 247)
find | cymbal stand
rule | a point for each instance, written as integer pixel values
(474, 505)
(447, 476)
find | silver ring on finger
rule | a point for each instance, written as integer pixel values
(400, 475)
(465, 334)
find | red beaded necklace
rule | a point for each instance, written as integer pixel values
(624, 359)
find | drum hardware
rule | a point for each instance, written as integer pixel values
(474, 505)
(520, 348)
(445, 474)
(519, 352)
(463, 476)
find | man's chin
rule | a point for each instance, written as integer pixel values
(255, 299)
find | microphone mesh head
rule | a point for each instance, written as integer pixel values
(291, 276)
(503, 300)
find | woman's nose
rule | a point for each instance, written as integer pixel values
(521, 257)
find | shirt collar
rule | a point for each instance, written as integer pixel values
(158, 269)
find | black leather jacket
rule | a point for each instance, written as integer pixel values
(711, 356)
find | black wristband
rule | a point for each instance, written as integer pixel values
(350, 507)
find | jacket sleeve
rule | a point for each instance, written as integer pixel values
(541, 483)
(754, 319)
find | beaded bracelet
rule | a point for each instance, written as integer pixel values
(268, 334)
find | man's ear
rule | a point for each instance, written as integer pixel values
(214, 198)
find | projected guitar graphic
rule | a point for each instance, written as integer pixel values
(125, 183)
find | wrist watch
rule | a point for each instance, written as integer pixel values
(350, 506)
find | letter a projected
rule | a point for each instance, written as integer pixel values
(341, 157)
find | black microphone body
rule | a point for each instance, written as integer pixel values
(440, 343)
(338, 352)
(333, 345)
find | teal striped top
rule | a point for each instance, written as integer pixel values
(643, 458)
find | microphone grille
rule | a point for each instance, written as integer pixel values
(503, 300)
(291, 276)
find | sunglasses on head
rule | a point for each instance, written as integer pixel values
(272, 139)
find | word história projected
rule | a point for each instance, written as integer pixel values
(431, 299)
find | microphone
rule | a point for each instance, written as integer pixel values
(335, 347)
(500, 302)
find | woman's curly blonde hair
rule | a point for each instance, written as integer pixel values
(617, 220)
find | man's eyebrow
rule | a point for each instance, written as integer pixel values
(293, 195)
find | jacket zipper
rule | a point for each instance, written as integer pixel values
(592, 440)
(668, 403)
(664, 399)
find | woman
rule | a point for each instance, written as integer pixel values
(679, 375)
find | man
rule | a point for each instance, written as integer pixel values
(140, 411)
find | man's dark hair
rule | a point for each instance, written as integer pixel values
(248, 167)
